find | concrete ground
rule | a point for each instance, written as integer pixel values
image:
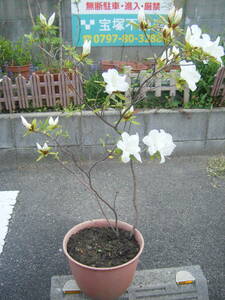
(181, 218)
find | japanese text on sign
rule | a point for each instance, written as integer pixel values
(108, 23)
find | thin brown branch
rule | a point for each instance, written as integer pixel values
(134, 195)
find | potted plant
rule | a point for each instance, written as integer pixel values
(18, 58)
(93, 247)
(5, 50)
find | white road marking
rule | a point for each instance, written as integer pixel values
(7, 202)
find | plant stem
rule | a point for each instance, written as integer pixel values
(134, 195)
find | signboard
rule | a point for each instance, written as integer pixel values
(108, 23)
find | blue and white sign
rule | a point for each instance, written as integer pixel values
(108, 23)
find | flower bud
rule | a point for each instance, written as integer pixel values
(175, 16)
(142, 20)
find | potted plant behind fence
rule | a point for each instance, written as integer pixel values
(18, 58)
(50, 55)
(95, 277)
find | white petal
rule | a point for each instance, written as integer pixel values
(125, 157)
(188, 35)
(43, 19)
(121, 145)
(25, 123)
(51, 19)
(45, 147)
(39, 146)
(162, 158)
(172, 12)
(56, 120)
(196, 30)
(51, 121)
(137, 156)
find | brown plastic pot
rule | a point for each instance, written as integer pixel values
(16, 70)
(103, 283)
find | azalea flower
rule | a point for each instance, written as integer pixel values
(195, 38)
(115, 82)
(212, 48)
(43, 149)
(129, 146)
(53, 122)
(189, 74)
(26, 124)
(159, 141)
(86, 48)
(50, 20)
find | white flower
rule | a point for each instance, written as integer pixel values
(141, 16)
(159, 141)
(86, 48)
(53, 122)
(129, 146)
(189, 74)
(115, 82)
(212, 48)
(51, 19)
(175, 15)
(44, 148)
(195, 38)
(25, 123)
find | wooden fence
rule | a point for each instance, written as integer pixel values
(218, 89)
(158, 85)
(40, 90)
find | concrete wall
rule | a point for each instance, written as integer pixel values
(194, 131)
(15, 21)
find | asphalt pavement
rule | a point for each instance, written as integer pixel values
(181, 216)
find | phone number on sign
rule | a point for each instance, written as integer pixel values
(124, 38)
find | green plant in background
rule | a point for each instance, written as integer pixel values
(201, 97)
(92, 88)
(5, 50)
(20, 53)
(14, 53)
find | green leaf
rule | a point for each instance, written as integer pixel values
(135, 122)
(40, 157)
(121, 96)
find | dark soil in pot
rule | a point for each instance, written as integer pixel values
(100, 247)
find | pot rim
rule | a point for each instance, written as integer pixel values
(70, 232)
